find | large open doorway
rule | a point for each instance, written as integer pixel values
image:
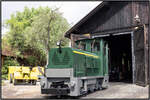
(128, 55)
(120, 58)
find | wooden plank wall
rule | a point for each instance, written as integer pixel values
(146, 52)
(115, 16)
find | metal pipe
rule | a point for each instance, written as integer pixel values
(123, 33)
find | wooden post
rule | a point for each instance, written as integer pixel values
(146, 52)
(133, 59)
(72, 40)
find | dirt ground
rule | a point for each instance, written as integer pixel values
(115, 90)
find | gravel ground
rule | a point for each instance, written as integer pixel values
(20, 91)
(115, 90)
(121, 90)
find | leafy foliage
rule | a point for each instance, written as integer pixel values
(8, 62)
(34, 31)
(32, 60)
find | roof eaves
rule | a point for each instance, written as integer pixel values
(85, 18)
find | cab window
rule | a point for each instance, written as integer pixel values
(81, 45)
(95, 46)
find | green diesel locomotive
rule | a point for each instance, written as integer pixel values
(75, 71)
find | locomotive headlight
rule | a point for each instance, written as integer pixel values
(58, 43)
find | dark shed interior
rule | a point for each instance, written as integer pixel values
(120, 58)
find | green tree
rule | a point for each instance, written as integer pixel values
(47, 28)
(35, 31)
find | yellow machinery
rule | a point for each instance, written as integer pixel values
(23, 74)
(11, 70)
(35, 73)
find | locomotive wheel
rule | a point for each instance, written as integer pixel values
(58, 96)
(99, 87)
(33, 82)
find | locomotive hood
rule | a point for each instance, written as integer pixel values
(64, 59)
(59, 59)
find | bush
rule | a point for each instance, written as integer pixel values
(8, 62)
(5, 76)
(32, 61)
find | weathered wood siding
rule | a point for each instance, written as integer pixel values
(149, 54)
(115, 16)
(146, 52)
(142, 8)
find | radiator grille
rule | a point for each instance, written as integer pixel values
(61, 59)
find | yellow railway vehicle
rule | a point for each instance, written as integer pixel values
(11, 70)
(35, 73)
(23, 74)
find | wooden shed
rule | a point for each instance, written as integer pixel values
(125, 25)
